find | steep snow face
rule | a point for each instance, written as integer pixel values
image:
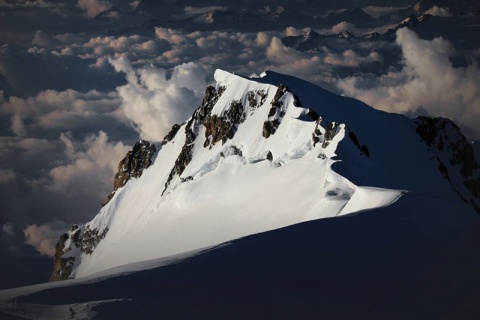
(250, 159)
(259, 154)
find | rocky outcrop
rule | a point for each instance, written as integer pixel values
(330, 132)
(63, 265)
(223, 128)
(209, 100)
(276, 113)
(70, 245)
(231, 150)
(363, 148)
(85, 240)
(132, 166)
(453, 155)
(200, 116)
(91, 238)
(173, 132)
(317, 133)
(256, 99)
(269, 156)
(313, 115)
(185, 155)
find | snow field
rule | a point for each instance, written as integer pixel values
(229, 196)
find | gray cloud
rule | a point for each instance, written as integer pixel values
(428, 80)
(377, 11)
(438, 11)
(28, 4)
(59, 109)
(7, 176)
(94, 7)
(44, 39)
(190, 10)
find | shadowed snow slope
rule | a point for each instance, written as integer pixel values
(415, 259)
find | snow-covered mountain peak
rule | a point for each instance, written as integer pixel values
(256, 155)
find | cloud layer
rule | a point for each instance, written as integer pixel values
(79, 86)
(427, 82)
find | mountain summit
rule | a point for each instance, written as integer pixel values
(260, 154)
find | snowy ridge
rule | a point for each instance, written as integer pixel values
(226, 185)
(260, 154)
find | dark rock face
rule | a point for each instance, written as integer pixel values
(252, 97)
(275, 113)
(454, 156)
(222, 128)
(330, 131)
(91, 238)
(185, 155)
(363, 149)
(269, 156)
(211, 97)
(132, 166)
(203, 116)
(173, 132)
(83, 240)
(62, 266)
(216, 129)
(313, 115)
(182, 161)
(317, 133)
(231, 150)
(269, 127)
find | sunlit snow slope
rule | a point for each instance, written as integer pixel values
(414, 259)
(259, 154)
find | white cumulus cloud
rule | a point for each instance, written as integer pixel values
(90, 166)
(154, 102)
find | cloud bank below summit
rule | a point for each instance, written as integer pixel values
(77, 90)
